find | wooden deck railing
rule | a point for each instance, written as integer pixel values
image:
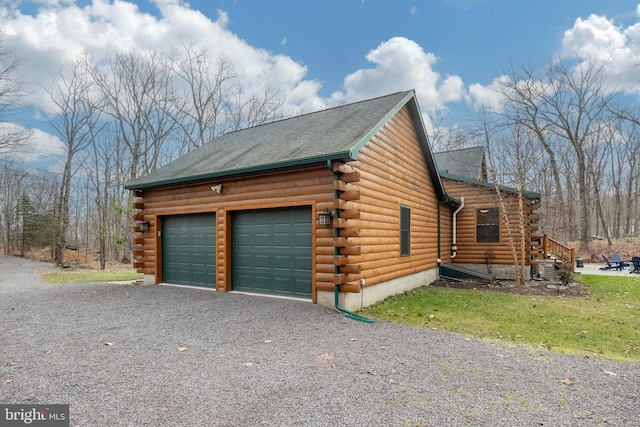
(554, 248)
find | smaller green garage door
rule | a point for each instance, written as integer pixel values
(189, 250)
(271, 251)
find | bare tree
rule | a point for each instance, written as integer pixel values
(248, 109)
(139, 96)
(99, 172)
(517, 233)
(205, 91)
(75, 119)
(565, 105)
(523, 93)
(12, 179)
(630, 148)
(26, 205)
(628, 130)
(12, 136)
(443, 138)
(598, 156)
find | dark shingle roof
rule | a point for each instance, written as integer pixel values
(333, 134)
(486, 184)
(467, 162)
(329, 134)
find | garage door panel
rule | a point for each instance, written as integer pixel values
(302, 263)
(279, 259)
(282, 284)
(199, 259)
(284, 262)
(263, 220)
(198, 277)
(302, 239)
(243, 277)
(188, 250)
(262, 240)
(243, 261)
(301, 285)
(282, 240)
(262, 261)
(197, 239)
(243, 240)
(263, 283)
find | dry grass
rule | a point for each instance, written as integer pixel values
(626, 247)
(77, 259)
(75, 276)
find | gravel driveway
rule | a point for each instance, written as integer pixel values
(133, 355)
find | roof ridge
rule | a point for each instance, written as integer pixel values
(460, 149)
(489, 184)
(321, 110)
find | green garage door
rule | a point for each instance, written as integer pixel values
(271, 251)
(189, 250)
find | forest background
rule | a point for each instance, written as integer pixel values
(560, 130)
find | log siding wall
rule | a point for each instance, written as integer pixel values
(393, 172)
(312, 186)
(446, 232)
(471, 252)
(364, 196)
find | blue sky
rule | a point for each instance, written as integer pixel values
(319, 53)
(472, 39)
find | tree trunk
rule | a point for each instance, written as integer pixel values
(600, 214)
(583, 193)
(63, 211)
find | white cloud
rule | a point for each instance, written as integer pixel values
(596, 37)
(40, 146)
(617, 46)
(401, 64)
(61, 31)
(44, 145)
(488, 96)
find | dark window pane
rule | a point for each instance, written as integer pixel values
(405, 230)
(487, 225)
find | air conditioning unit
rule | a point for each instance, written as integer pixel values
(547, 269)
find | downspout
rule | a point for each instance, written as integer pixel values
(439, 260)
(336, 252)
(454, 248)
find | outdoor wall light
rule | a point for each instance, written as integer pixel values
(144, 225)
(324, 217)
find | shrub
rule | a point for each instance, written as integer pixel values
(565, 276)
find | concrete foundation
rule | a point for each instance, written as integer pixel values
(372, 294)
(369, 295)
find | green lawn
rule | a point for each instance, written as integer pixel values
(74, 276)
(605, 323)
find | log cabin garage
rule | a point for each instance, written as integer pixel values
(343, 206)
